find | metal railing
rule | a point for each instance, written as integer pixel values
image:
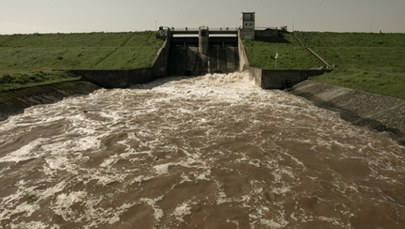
(211, 29)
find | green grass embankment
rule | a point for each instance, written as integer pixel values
(37, 59)
(291, 55)
(367, 62)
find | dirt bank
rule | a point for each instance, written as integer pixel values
(15, 101)
(376, 112)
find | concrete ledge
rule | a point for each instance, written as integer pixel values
(280, 78)
(117, 78)
(380, 113)
(15, 101)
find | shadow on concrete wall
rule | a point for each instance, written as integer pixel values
(185, 59)
(280, 78)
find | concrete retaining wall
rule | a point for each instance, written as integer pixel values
(377, 112)
(15, 101)
(281, 79)
(161, 60)
(255, 74)
(117, 78)
(123, 78)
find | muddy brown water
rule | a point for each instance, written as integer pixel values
(208, 152)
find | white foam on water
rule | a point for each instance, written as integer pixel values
(221, 198)
(63, 204)
(278, 173)
(24, 153)
(141, 178)
(255, 163)
(162, 169)
(51, 191)
(57, 163)
(282, 190)
(24, 209)
(157, 212)
(32, 225)
(259, 217)
(185, 178)
(233, 222)
(110, 161)
(331, 220)
(27, 208)
(270, 223)
(104, 176)
(181, 211)
(204, 175)
(177, 128)
(86, 143)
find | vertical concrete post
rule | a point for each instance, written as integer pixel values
(203, 45)
(203, 37)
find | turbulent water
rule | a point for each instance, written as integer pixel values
(213, 151)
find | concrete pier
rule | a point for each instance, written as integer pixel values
(203, 40)
(203, 45)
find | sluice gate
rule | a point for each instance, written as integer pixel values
(201, 51)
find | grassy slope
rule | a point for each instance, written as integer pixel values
(367, 62)
(27, 60)
(291, 54)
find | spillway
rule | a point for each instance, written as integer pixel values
(213, 151)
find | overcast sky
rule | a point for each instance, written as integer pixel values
(51, 16)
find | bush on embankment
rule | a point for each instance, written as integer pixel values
(28, 60)
(364, 61)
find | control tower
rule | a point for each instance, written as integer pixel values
(247, 31)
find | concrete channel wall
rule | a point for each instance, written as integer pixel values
(117, 78)
(15, 101)
(123, 78)
(377, 112)
(281, 78)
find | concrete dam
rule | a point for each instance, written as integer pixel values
(212, 151)
(194, 52)
(185, 52)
